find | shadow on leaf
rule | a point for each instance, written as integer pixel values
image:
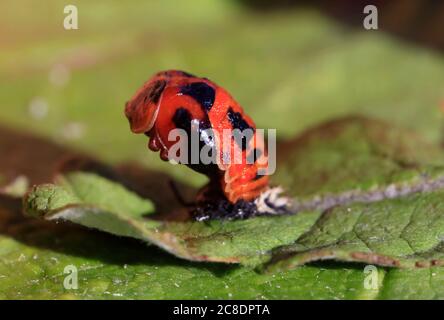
(39, 158)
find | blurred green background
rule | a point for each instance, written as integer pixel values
(290, 69)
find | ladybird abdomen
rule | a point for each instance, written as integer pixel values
(247, 180)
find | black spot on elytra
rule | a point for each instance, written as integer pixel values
(156, 91)
(203, 93)
(254, 155)
(238, 123)
(182, 119)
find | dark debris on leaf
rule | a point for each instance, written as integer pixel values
(224, 210)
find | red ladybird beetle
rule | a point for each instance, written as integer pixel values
(175, 99)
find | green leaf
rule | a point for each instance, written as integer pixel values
(34, 254)
(413, 284)
(406, 229)
(404, 232)
(95, 202)
(355, 158)
(391, 171)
